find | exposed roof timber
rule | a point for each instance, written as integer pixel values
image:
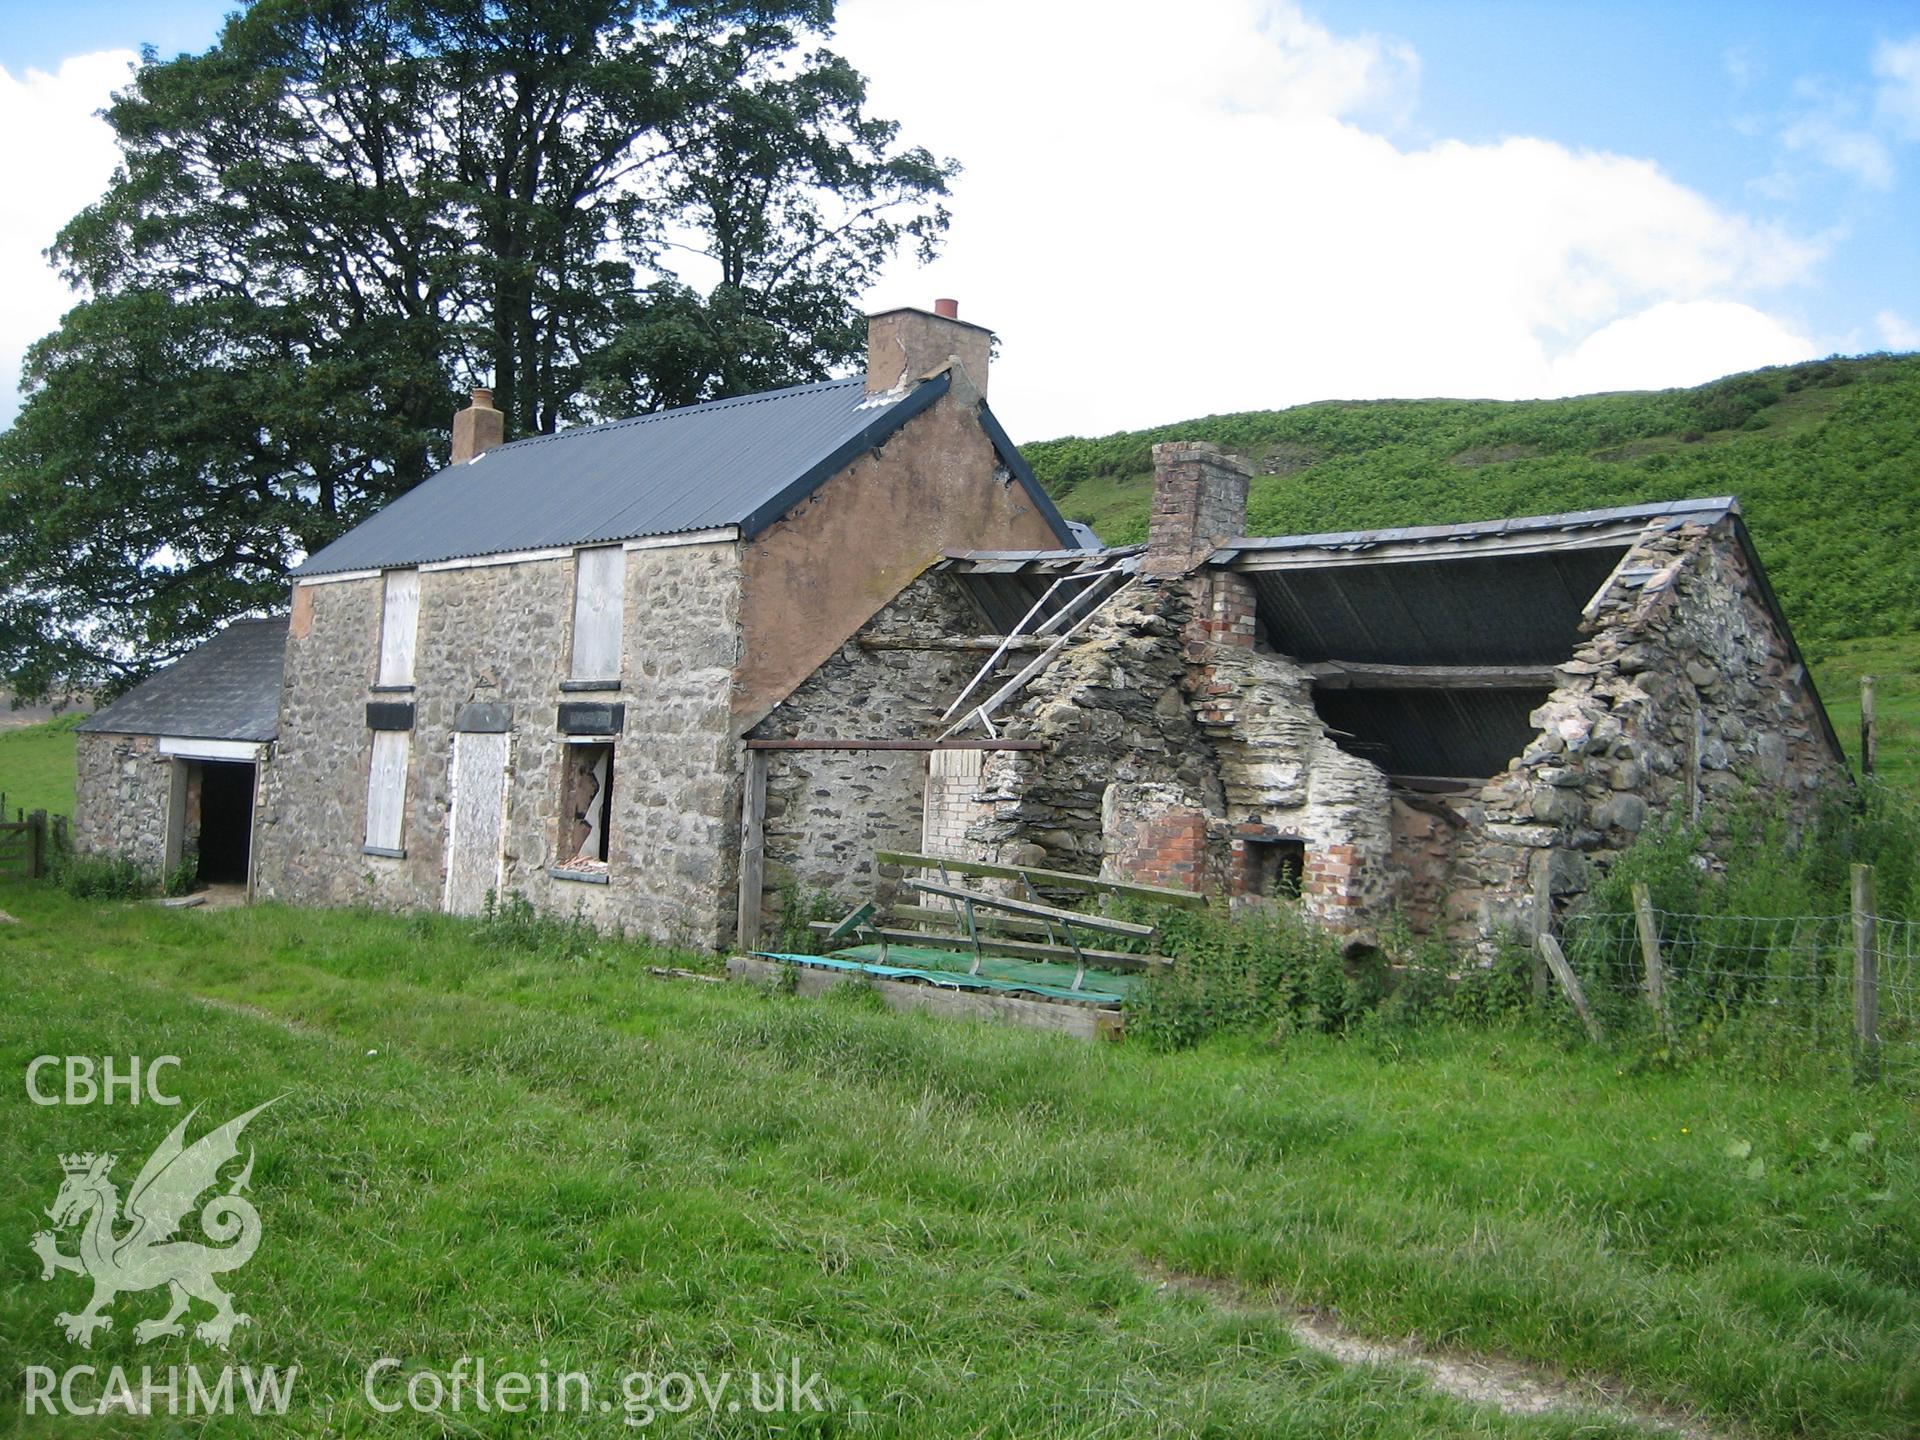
(1037, 560)
(1481, 609)
(1628, 519)
(1427, 551)
(1360, 675)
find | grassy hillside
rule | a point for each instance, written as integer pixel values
(511, 1143)
(36, 766)
(1824, 458)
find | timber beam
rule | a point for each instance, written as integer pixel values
(1362, 675)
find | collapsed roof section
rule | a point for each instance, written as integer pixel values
(1428, 647)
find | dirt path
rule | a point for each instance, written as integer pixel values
(1507, 1385)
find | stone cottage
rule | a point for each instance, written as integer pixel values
(532, 672)
(170, 771)
(1459, 723)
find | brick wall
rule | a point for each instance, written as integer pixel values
(1199, 499)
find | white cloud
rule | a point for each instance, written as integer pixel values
(57, 160)
(1169, 219)
(1897, 332)
(1822, 136)
(1677, 342)
(1897, 68)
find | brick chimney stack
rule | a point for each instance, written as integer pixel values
(478, 428)
(904, 344)
(1199, 500)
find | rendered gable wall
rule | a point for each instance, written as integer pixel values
(827, 567)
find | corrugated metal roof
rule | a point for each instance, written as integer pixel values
(1462, 610)
(226, 689)
(740, 462)
(1692, 512)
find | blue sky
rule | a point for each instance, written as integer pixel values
(1271, 202)
(1704, 87)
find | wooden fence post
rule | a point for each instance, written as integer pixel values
(1866, 979)
(1656, 967)
(1869, 741)
(36, 844)
(753, 849)
(1542, 925)
(1570, 982)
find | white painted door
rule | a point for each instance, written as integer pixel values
(476, 829)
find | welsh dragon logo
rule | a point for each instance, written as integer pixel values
(136, 1250)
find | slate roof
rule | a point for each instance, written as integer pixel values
(226, 689)
(740, 462)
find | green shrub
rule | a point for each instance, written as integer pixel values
(510, 924)
(1272, 969)
(183, 877)
(104, 877)
(799, 908)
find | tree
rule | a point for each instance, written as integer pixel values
(346, 212)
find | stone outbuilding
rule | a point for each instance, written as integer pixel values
(1461, 724)
(169, 772)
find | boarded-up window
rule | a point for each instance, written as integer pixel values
(387, 788)
(599, 587)
(398, 622)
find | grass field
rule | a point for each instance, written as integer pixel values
(1894, 663)
(36, 766)
(493, 1146)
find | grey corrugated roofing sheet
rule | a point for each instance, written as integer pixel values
(741, 462)
(226, 689)
(1697, 512)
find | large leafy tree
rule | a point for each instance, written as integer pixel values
(346, 212)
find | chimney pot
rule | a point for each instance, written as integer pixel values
(905, 344)
(478, 428)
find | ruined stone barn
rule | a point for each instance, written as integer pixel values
(1461, 723)
(171, 769)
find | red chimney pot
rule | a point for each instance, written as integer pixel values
(947, 309)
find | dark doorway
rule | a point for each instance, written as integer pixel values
(226, 821)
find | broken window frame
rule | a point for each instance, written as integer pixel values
(571, 860)
(387, 765)
(399, 629)
(599, 613)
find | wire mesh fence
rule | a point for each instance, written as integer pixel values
(1844, 985)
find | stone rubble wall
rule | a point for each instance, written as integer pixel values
(1112, 713)
(499, 634)
(1279, 767)
(828, 811)
(1684, 682)
(123, 787)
